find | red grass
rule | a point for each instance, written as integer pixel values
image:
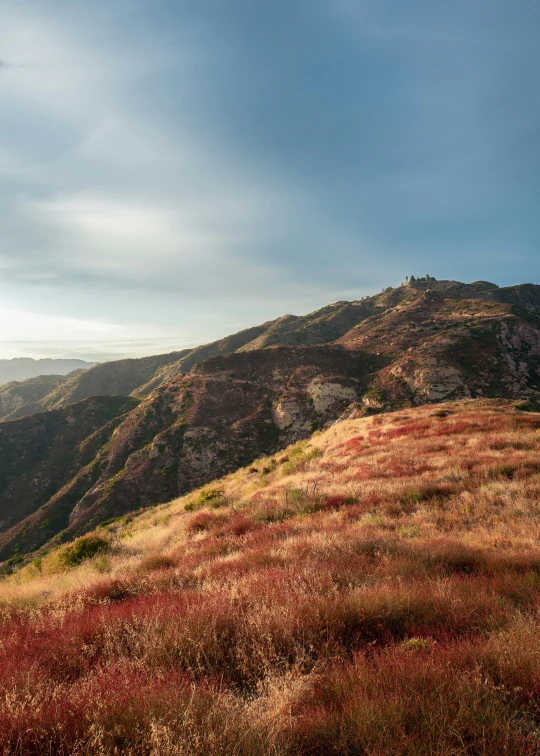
(205, 521)
(298, 628)
(412, 429)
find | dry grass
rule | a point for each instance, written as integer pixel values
(374, 591)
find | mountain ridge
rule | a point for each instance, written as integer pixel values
(16, 396)
(22, 368)
(225, 404)
(139, 376)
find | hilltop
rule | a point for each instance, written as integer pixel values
(371, 590)
(211, 410)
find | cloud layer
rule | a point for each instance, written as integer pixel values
(172, 171)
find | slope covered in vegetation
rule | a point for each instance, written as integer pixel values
(46, 462)
(115, 378)
(371, 591)
(267, 387)
(16, 395)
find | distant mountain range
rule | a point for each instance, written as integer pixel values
(21, 368)
(117, 378)
(126, 434)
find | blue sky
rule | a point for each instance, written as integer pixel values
(173, 171)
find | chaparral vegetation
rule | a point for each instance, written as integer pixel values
(373, 591)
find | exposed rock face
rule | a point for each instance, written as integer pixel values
(425, 342)
(432, 381)
(327, 394)
(521, 337)
(288, 413)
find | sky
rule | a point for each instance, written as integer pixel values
(173, 171)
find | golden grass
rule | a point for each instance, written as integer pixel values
(371, 591)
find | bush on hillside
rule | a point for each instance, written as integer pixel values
(82, 549)
(208, 497)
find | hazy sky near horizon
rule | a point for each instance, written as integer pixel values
(173, 171)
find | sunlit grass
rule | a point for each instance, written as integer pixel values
(372, 591)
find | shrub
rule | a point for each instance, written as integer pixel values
(240, 525)
(213, 497)
(336, 501)
(82, 549)
(205, 521)
(110, 521)
(299, 459)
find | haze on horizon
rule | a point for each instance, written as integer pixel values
(171, 171)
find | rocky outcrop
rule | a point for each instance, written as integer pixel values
(327, 394)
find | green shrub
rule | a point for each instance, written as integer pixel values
(527, 406)
(269, 467)
(82, 549)
(208, 497)
(300, 459)
(109, 522)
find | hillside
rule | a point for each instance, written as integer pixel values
(437, 316)
(115, 378)
(21, 368)
(194, 429)
(16, 395)
(47, 458)
(371, 591)
(422, 342)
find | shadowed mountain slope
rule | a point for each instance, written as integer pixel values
(119, 377)
(40, 455)
(17, 395)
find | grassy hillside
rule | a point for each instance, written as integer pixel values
(373, 590)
